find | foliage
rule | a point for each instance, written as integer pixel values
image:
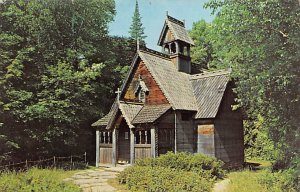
(136, 29)
(146, 178)
(36, 180)
(202, 52)
(263, 180)
(287, 180)
(260, 41)
(173, 172)
(257, 143)
(58, 72)
(205, 166)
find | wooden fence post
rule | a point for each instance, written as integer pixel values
(54, 160)
(84, 157)
(26, 164)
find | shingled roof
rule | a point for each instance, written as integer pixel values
(129, 111)
(175, 85)
(177, 29)
(201, 93)
(134, 113)
(209, 89)
(150, 113)
(103, 121)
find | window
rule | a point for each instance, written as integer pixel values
(143, 137)
(126, 135)
(142, 96)
(105, 137)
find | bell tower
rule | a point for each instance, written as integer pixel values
(176, 42)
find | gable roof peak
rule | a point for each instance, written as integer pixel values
(177, 29)
(154, 53)
(174, 20)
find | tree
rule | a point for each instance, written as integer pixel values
(52, 57)
(260, 41)
(202, 53)
(136, 29)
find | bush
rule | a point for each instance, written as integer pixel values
(173, 172)
(206, 166)
(36, 180)
(287, 180)
(146, 178)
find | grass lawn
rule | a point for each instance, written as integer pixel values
(249, 179)
(115, 183)
(39, 180)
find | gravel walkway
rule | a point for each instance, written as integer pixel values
(96, 180)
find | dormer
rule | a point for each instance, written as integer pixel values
(176, 42)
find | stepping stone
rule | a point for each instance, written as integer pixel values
(89, 181)
(81, 177)
(106, 188)
(109, 176)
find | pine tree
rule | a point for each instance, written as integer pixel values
(136, 29)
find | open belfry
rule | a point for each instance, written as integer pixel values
(167, 103)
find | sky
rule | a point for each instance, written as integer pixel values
(153, 13)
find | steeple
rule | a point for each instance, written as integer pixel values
(175, 41)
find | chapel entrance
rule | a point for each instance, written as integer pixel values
(123, 150)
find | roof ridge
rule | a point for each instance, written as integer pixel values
(174, 20)
(131, 102)
(155, 53)
(210, 74)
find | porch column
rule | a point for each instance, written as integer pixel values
(132, 138)
(114, 148)
(97, 148)
(153, 141)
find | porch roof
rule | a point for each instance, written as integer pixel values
(150, 113)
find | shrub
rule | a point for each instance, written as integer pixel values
(36, 180)
(146, 178)
(286, 180)
(173, 172)
(206, 166)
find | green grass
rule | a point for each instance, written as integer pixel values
(37, 180)
(259, 179)
(245, 181)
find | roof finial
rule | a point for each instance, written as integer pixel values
(167, 13)
(183, 22)
(118, 92)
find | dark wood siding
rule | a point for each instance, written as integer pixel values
(229, 137)
(155, 95)
(185, 133)
(166, 133)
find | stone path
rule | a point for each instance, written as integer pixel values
(221, 186)
(96, 180)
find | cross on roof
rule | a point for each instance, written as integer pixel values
(118, 92)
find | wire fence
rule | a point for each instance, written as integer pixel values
(69, 162)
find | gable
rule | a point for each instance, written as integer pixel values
(155, 94)
(174, 84)
(209, 91)
(174, 30)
